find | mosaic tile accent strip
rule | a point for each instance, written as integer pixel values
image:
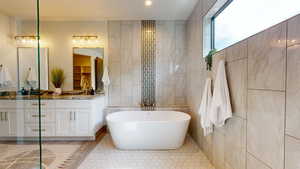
(106, 156)
(148, 64)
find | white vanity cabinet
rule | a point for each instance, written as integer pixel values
(31, 118)
(73, 117)
(73, 122)
(60, 119)
(9, 120)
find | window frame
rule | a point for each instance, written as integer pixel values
(212, 23)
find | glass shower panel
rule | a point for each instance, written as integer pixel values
(20, 105)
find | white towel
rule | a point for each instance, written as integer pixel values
(220, 106)
(5, 78)
(105, 77)
(31, 75)
(205, 108)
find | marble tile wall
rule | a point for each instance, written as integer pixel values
(124, 51)
(171, 63)
(124, 63)
(263, 73)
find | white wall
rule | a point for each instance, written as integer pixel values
(8, 51)
(57, 36)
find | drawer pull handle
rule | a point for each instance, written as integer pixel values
(5, 113)
(37, 130)
(38, 115)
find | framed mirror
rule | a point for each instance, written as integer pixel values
(28, 68)
(88, 69)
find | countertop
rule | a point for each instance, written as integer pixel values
(51, 97)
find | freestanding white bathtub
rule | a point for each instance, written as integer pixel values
(148, 130)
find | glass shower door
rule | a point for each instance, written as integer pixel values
(20, 81)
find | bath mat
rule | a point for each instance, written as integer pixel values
(56, 155)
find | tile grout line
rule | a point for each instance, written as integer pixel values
(270, 90)
(285, 100)
(259, 160)
(238, 59)
(296, 138)
(246, 146)
(292, 45)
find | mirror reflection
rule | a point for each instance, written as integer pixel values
(88, 69)
(28, 68)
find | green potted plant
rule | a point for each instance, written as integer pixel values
(57, 79)
(208, 59)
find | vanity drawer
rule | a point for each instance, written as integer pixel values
(11, 104)
(47, 116)
(33, 130)
(73, 104)
(34, 104)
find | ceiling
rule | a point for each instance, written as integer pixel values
(99, 9)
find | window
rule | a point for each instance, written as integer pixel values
(239, 19)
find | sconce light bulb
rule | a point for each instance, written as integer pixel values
(148, 3)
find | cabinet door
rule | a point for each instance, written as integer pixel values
(12, 122)
(64, 122)
(82, 122)
(4, 124)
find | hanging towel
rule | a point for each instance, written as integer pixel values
(31, 76)
(205, 108)
(5, 77)
(105, 78)
(220, 105)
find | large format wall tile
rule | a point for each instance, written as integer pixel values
(253, 163)
(124, 62)
(292, 153)
(218, 150)
(115, 73)
(237, 51)
(237, 83)
(293, 91)
(294, 31)
(207, 145)
(265, 126)
(171, 63)
(114, 41)
(235, 143)
(267, 59)
(114, 95)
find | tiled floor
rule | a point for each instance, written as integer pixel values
(106, 156)
(26, 156)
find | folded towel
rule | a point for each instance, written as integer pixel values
(5, 77)
(220, 105)
(105, 78)
(205, 108)
(31, 75)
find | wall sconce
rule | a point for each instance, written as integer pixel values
(86, 41)
(26, 40)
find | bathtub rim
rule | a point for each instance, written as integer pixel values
(187, 117)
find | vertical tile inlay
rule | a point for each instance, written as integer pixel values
(148, 64)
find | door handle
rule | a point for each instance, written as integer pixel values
(5, 113)
(74, 115)
(70, 115)
(1, 116)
